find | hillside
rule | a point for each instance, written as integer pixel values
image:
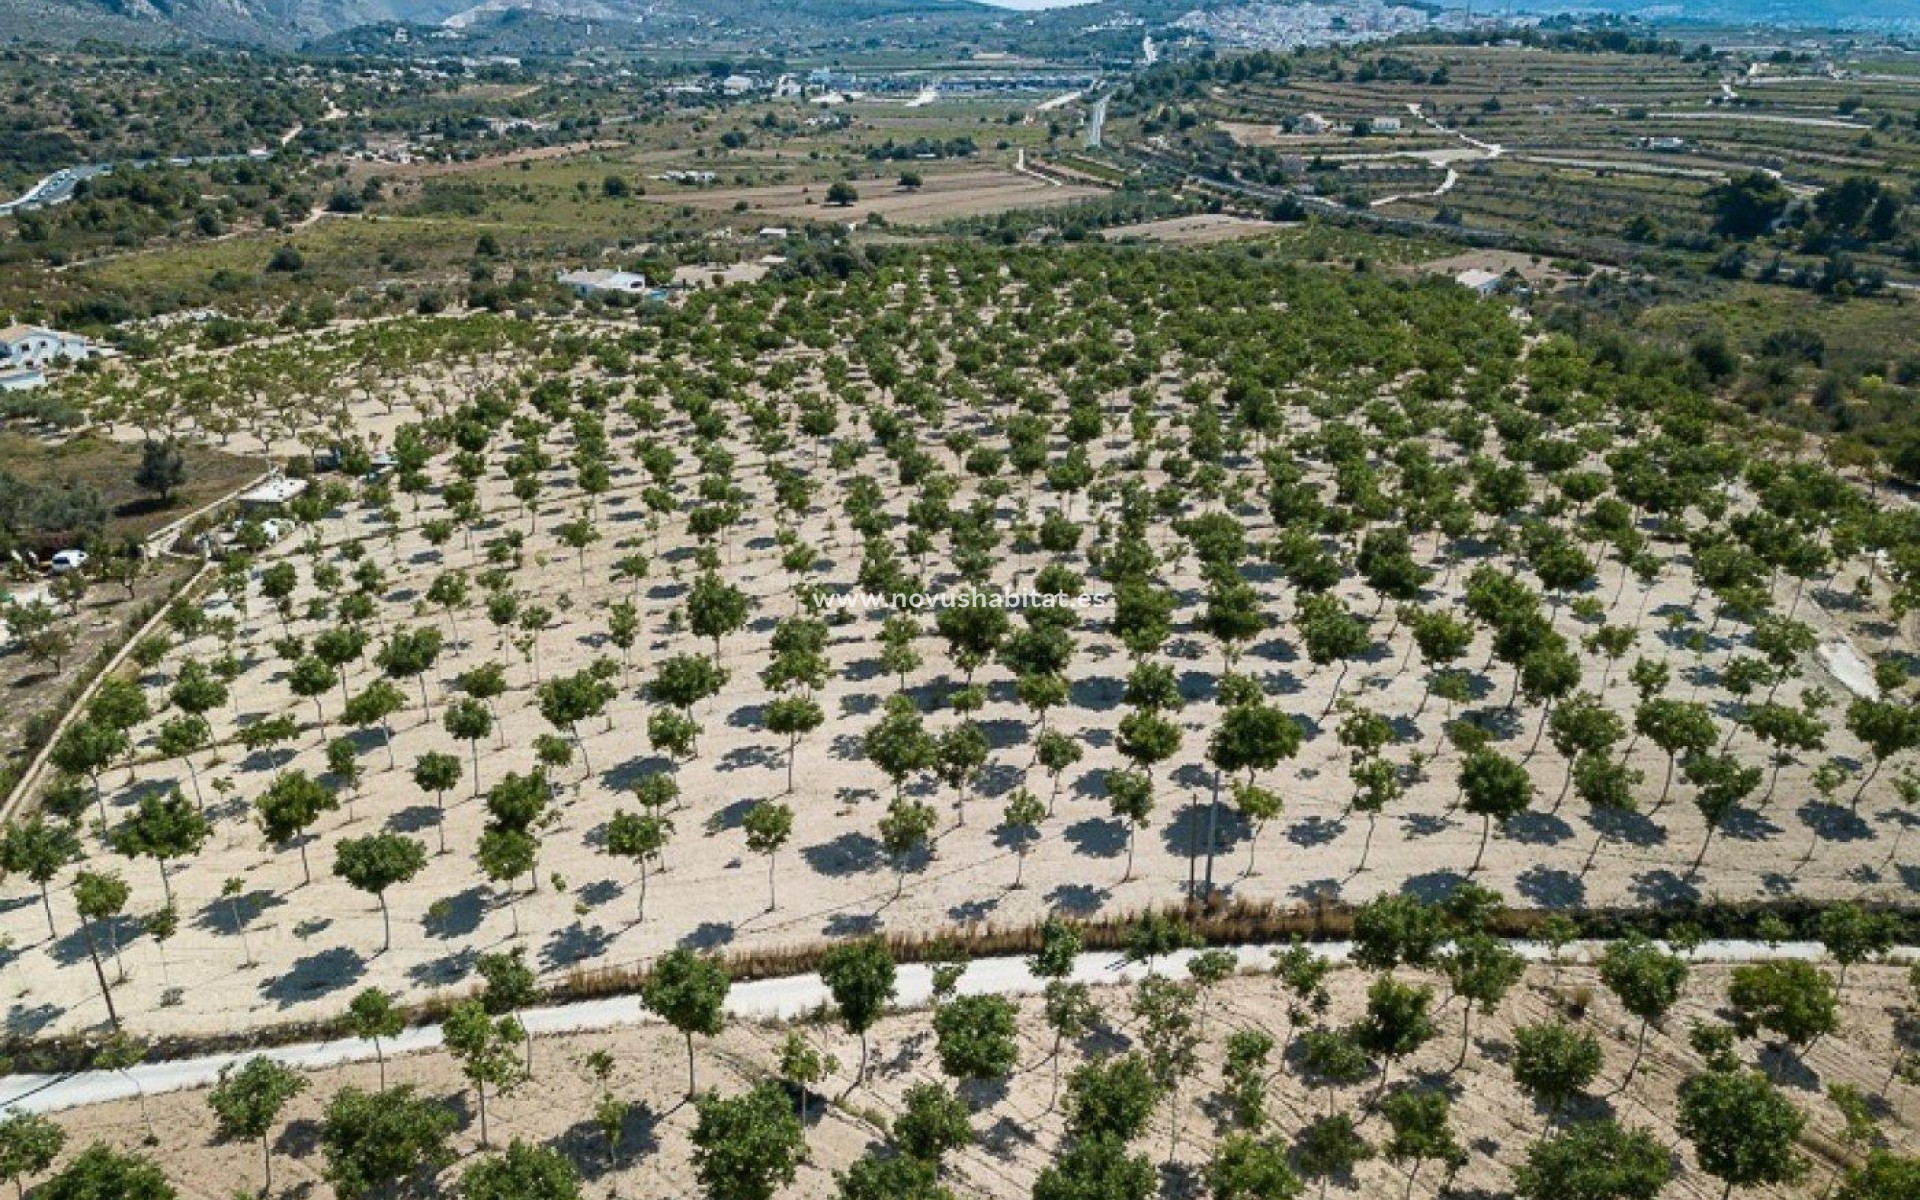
(289, 23)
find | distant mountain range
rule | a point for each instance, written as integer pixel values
(291, 23)
(295, 23)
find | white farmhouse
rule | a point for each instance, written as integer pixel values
(605, 283)
(1480, 280)
(35, 346)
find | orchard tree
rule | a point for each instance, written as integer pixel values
(903, 832)
(1554, 1062)
(1495, 788)
(689, 992)
(1793, 999)
(747, 1147)
(1397, 1022)
(976, 1037)
(1744, 1132)
(100, 1173)
(38, 849)
(488, 1050)
(247, 1104)
(932, 1123)
(29, 1144)
(1248, 1168)
(1647, 981)
(1594, 1160)
(375, 863)
(862, 979)
(1020, 825)
(793, 717)
(521, 1172)
(288, 809)
(768, 826)
(374, 1016)
(641, 837)
(1422, 1129)
(437, 772)
(374, 1141)
(1482, 970)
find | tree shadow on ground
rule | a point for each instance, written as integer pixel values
(1078, 899)
(709, 935)
(322, 974)
(1834, 822)
(1663, 886)
(851, 853)
(575, 943)
(457, 915)
(1535, 828)
(1097, 837)
(1432, 886)
(1550, 887)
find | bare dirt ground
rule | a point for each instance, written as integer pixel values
(292, 950)
(944, 196)
(1533, 268)
(1202, 229)
(1016, 1126)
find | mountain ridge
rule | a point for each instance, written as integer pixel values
(288, 24)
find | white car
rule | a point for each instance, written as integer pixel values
(68, 560)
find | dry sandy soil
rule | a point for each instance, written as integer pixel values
(1532, 267)
(1017, 1127)
(1202, 229)
(944, 196)
(312, 946)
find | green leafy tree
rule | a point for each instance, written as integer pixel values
(1793, 999)
(29, 1144)
(641, 837)
(1554, 1062)
(1097, 1168)
(100, 1173)
(1249, 1168)
(1594, 1160)
(1495, 788)
(1422, 1129)
(768, 826)
(488, 1049)
(862, 979)
(373, 1015)
(689, 992)
(521, 1172)
(247, 1104)
(374, 1141)
(38, 849)
(1743, 1130)
(1647, 981)
(375, 863)
(747, 1147)
(932, 1123)
(1397, 1022)
(977, 1037)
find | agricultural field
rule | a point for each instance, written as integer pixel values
(1011, 664)
(1251, 1073)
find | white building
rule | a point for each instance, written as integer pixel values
(34, 346)
(1477, 279)
(272, 492)
(605, 283)
(1385, 124)
(1310, 123)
